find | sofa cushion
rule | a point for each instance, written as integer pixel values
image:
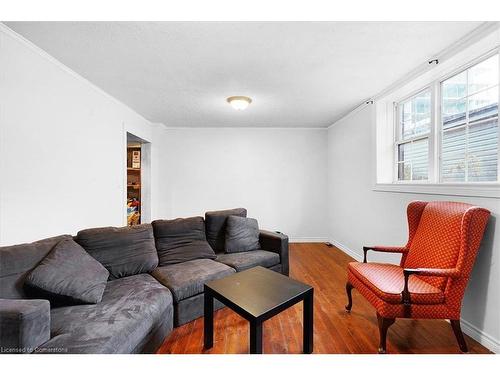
(242, 234)
(186, 279)
(68, 275)
(17, 260)
(123, 251)
(181, 240)
(249, 259)
(215, 224)
(130, 309)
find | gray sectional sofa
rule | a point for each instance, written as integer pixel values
(156, 277)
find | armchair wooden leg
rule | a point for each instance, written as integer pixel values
(383, 326)
(348, 289)
(455, 324)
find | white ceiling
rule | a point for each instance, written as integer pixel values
(299, 74)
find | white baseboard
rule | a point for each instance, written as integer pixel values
(308, 239)
(345, 249)
(481, 337)
(469, 329)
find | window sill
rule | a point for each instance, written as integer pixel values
(465, 190)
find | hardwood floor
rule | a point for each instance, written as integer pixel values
(335, 330)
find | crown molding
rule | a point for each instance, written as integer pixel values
(42, 53)
(166, 127)
(480, 32)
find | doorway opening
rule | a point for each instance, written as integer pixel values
(138, 177)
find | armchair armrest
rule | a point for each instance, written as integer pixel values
(440, 272)
(384, 249)
(277, 243)
(24, 324)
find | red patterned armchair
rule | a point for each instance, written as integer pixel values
(436, 263)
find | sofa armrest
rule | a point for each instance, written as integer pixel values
(24, 324)
(277, 243)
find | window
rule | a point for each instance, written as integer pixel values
(449, 132)
(469, 124)
(414, 127)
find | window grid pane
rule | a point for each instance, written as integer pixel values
(413, 160)
(453, 155)
(415, 116)
(483, 152)
(469, 143)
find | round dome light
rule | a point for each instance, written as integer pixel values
(239, 102)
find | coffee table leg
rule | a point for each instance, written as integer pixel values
(208, 319)
(255, 337)
(308, 322)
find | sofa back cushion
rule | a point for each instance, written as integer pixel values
(181, 240)
(215, 224)
(18, 260)
(123, 251)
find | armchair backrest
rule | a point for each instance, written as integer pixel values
(444, 235)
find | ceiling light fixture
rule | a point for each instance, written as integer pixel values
(239, 102)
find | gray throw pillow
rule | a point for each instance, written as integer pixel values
(215, 225)
(16, 261)
(68, 275)
(181, 240)
(242, 234)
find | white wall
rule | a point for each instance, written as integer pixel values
(360, 216)
(279, 175)
(62, 155)
(62, 147)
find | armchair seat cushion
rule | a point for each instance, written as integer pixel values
(386, 281)
(188, 278)
(249, 259)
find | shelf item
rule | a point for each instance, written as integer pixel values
(133, 211)
(133, 185)
(136, 159)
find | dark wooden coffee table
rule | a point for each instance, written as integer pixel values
(258, 294)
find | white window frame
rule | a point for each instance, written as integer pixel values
(398, 140)
(384, 111)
